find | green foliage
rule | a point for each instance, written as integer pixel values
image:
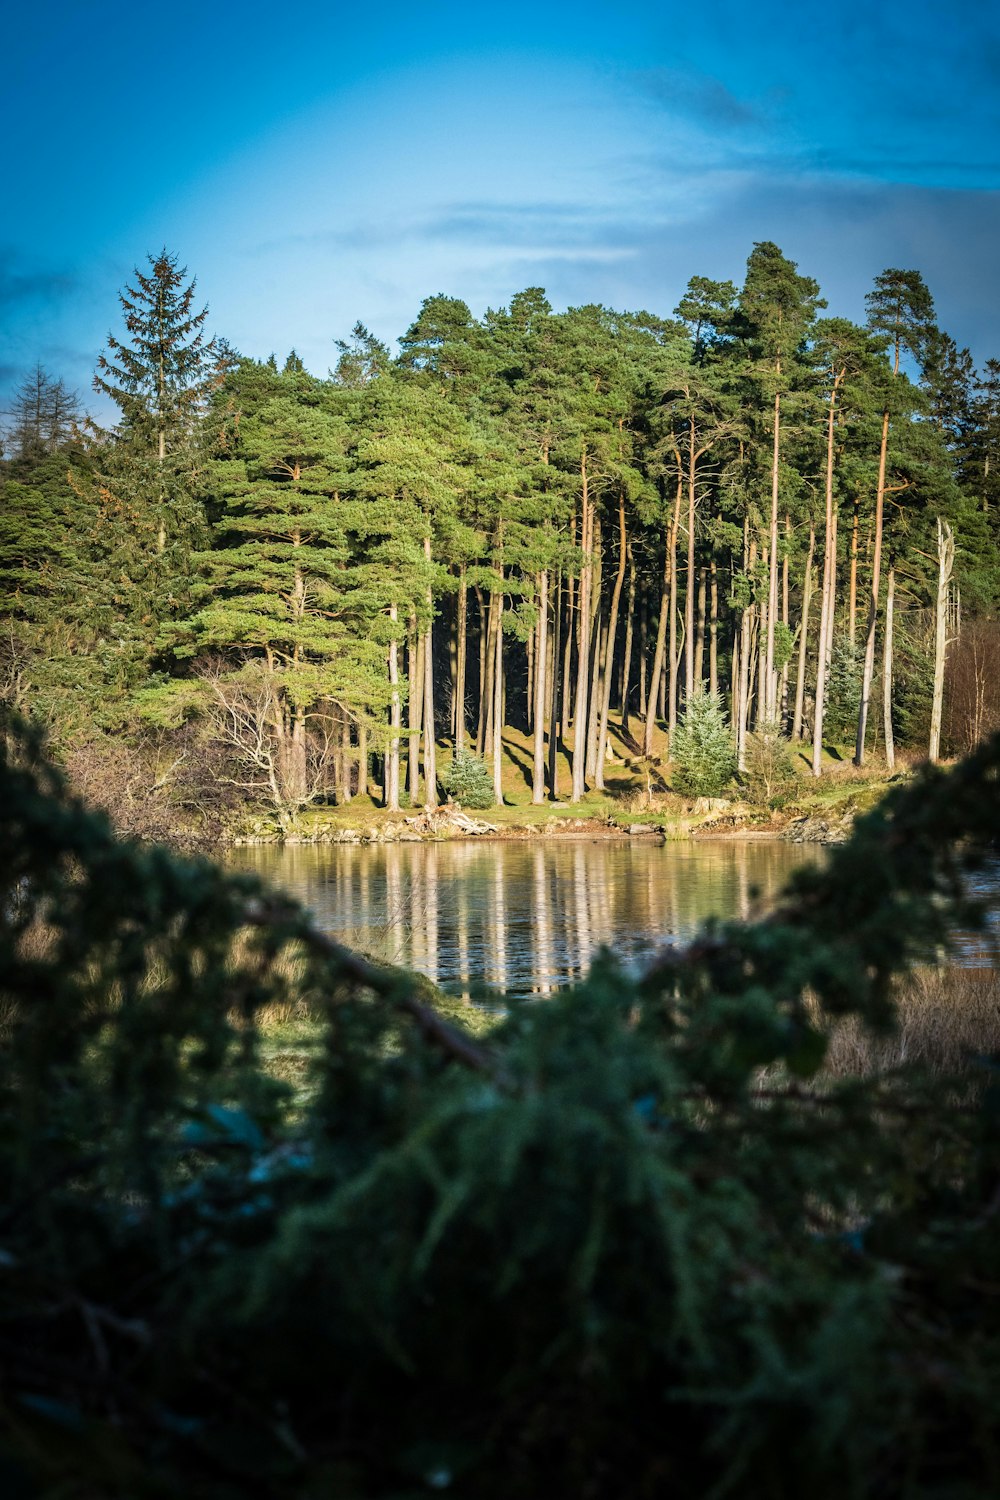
(470, 781)
(843, 689)
(702, 750)
(769, 767)
(600, 1254)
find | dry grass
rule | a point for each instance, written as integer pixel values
(947, 1017)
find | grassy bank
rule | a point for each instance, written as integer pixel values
(638, 791)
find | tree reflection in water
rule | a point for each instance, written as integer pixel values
(527, 917)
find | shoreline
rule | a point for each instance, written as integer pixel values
(451, 825)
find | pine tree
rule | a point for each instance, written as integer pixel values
(901, 310)
(158, 378)
(776, 310)
(43, 418)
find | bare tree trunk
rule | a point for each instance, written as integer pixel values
(629, 637)
(852, 597)
(761, 715)
(415, 707)
(643, 650)
(781, 712)
(742, 714)
(430, 748)
(362, 758)
(583, 664)
(946, 562)
(689, 670)
(890, 747)
(395, 721)
(497, 737)
(598, 631)
(869, 666)
(701, 630)
(556, 707)
(490, 673)
(768, 684)
(675, 649)
(460, 663)
(659, 648)
(541, 652)
(598, 641)
(485, 659)
(800, 676)
(713, 629)
(828, 595)
(566, 699)
(609, 645)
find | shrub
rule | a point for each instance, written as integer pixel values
(702, 752)
(843, 693)
(470, 781)
(769, 769)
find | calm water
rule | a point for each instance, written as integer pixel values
(523, 917)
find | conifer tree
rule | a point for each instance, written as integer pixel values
(279, 596)
(901, 310)
(776, 310)
(43, 417)
(160, 375)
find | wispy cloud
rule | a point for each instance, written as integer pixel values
(699, 96)
(535, 230)
(20, 284)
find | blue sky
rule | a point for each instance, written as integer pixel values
(315, 164)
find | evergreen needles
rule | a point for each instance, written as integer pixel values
(639, 1243)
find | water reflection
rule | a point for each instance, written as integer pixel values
(523, 918)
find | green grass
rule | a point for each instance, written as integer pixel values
(841, 790)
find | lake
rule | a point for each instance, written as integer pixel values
(523, 918)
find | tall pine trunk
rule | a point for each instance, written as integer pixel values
(555, 709)
(629, 637)
(541, 656)
(869, 666)
(890, 597)
(415, 708)
(828, 595)
(946, 562)
(395, 720)
(609, 647)
(584, 627)
(800, 675)
(461, 657)
(768, 685)
(661, 635)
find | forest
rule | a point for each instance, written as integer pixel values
(280, 589)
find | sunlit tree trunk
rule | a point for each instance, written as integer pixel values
(852, 585)
(485, 660)
(415, 709)
(556, 706)
(460, 661)
(946, 562)
(869, 665)
(629, 637)
(656, 672)
(541, 654)
(769, 683)
(584, 626)
(609, 646)
(890, 747)
(800, 676)
(828, 594)
(497, 714)
(395, 720)
(701, 627)
(713, 629)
